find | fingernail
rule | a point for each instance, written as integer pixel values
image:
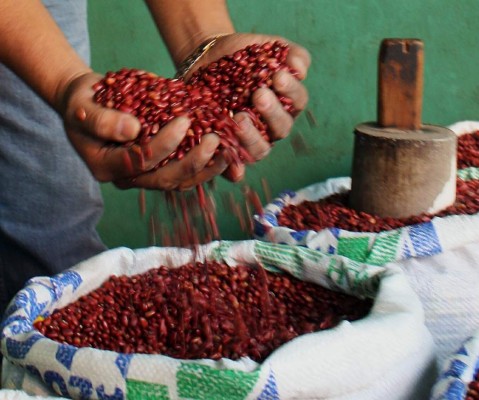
(298, 64)
(282, 79)
(244, 122)
(80, 114)
(263, 100)
(183, 123)
(128, 127)
(211, 142)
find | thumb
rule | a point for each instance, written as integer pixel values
(107, 124)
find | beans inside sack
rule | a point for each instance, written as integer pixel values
(333, 211)
(202, 310)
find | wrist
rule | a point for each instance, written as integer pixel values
(64, 85)
(195, 42)
(191, 59)
(185, 24)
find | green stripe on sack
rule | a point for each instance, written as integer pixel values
(355, 277)
(280, 255)
(355, 248)
(138, 390)
(201, 382)
(221, 251)
(385, 248)
(468, 174)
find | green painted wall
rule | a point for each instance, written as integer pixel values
(343, 37)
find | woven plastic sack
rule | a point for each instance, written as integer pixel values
(448, 287)
(457, 371)
(387, 354)
(419, 240)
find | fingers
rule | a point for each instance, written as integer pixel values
(276, 117)
(164, 143)
(110, 161)
(287, 85)
(250, 138)
(299, 59)
(235, 172)
(107, 124)
(198, 165)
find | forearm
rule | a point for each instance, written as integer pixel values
(185, 24)
(34, 47)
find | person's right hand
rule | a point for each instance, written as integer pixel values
(98, 134)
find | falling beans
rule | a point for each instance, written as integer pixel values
(182, 312)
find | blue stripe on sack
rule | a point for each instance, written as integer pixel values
(270, 391)
(19, 349)
(456, 368)
(83, 385)
(26, 300)
(259, 229)
(463, 350)
(102, 395)
(271, 218)
(335, 232)
(424, 239)
(54, 379)
(279, 203)
(298, 235)
(456, 390)
(123, 363)
(407, 250)
(33, 370)
(17, 324)
(290, 193)
(65, 354)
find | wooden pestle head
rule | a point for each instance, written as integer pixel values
(402, 167)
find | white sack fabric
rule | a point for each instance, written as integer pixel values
(448, 286)
(386, 355)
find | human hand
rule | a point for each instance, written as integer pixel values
(103, 137)
(265, 100)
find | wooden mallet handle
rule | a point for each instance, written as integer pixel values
(400, 83)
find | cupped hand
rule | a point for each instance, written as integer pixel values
(103, 137)
(265, 100)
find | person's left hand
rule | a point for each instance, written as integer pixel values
(265, 100)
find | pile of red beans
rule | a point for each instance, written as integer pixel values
(333, 211)
(201, 310)
(468, 150)
(210, 97)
